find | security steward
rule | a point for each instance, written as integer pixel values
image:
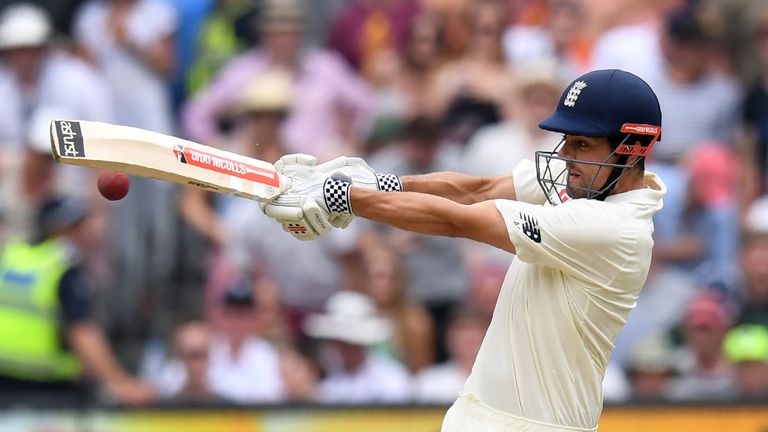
(48, 340)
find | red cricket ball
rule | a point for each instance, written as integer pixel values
(113, 186)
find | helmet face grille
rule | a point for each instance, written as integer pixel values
(552, 175)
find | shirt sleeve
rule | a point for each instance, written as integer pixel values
(579, 237)
(74, 297)
(527, 187)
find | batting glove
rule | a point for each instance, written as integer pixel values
(303, 170)
(302, 167)
(300, 214)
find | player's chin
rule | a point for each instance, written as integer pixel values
(575, 192)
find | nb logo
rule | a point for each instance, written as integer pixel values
(573, 93)
(531, 228)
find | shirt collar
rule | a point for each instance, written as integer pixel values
(652, 194)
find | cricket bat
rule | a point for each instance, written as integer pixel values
(144, 153)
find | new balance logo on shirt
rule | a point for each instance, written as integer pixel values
(531, 227)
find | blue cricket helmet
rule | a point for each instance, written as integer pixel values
(609, 103)
(600, 103)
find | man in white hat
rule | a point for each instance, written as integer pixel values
(32, 73)
(354, 374)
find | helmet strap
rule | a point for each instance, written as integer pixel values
(613, 179)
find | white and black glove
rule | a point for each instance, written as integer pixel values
(315, 206)
(307, 178)
(299, 168)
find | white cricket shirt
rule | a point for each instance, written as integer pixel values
(579, 268)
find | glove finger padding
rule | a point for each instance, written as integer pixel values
(298, 167)
(341, 220)
(283, 213)
(333, 165)
(305, 223)
(316, 216)
(297, 159)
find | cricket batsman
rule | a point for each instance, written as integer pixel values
(579, 219)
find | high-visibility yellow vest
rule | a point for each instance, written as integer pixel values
(30, 314)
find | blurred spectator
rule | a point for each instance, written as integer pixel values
(32, 73)
(632, 40)
(191, 15)
(560, 40)
(442, 383)
(743, 21)
(132, 43)
(256, 115)
(61, 11)
(226, 31)
(746, 347)
(705, 373)
(186, 378)
(399, 81)
(366, 29)
(413, 338)
(667, 292)
(306, 274)
(452, 14)
(650, 368)
(497, 149)
(47, 337)
(354, 375)
(708, 229)
(41, 176)
(755, 112)
(244, 367)
(686, 88)
(421, 59)
(300, 375)
(328, 99)
(486, 279)
(252, 244)
(466, 92)
(436, 274)
(754, 256)
(616, 386)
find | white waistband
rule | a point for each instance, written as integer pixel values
(469, 404)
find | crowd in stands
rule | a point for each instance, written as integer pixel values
(178, 295)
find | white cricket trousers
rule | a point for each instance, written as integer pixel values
(469, 414)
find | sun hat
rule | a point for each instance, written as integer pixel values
(349, 317)
(24, 25)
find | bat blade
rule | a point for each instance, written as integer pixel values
(150, 154)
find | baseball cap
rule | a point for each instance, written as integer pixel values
(240, 294)
(747, 342)
(599, 103)
(707, 311)
(24, 25)
(712, 169)
(687, 25)
(58, 213)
